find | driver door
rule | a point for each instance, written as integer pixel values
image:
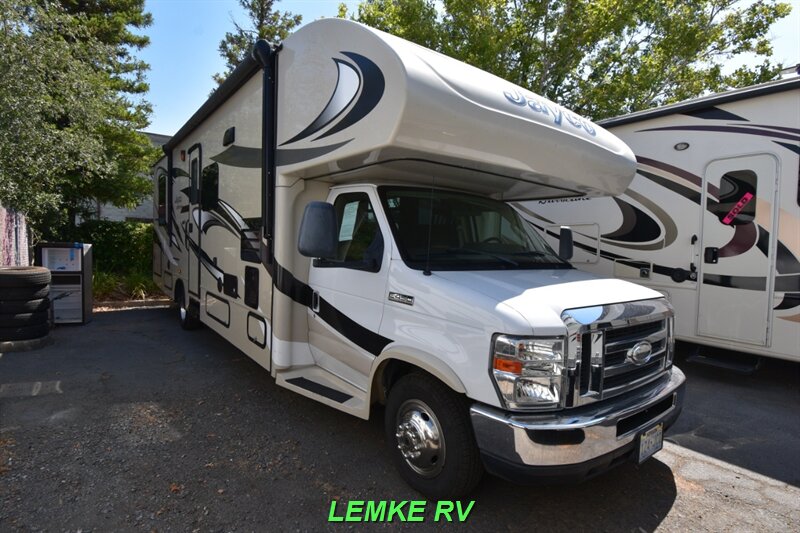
(350, 291)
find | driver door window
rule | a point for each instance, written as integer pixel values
(360, 243)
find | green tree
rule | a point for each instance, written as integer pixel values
(112, 22)
(263, 23)
(66, 129)
(599, 57)
(414, 20)
(130, 152)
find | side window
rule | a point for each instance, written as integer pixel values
(360, 243)
(193, 196)
(737, 198)
(161, 182)
(209, 191)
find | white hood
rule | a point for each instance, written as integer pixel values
(539, 294)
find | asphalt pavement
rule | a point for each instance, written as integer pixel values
(131, 424)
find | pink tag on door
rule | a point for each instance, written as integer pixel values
(738, 207)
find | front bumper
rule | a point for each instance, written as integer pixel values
(578, 443)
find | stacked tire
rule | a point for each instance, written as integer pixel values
(24, 303)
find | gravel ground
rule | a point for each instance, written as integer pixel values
(131, 424)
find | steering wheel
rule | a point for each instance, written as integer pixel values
(491, 239)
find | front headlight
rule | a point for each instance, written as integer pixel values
(529, 372)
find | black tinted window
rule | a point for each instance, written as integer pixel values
(161, 177)
(446, 230)
(209, 190)
(360, 243)
(193, 196)
(737, 198)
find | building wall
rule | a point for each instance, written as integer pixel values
(13, 238)
(142, 212)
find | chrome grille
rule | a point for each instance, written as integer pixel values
(612, 382)
(619, 340)
(606, 345)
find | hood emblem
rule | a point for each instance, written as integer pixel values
(401, 298)
(640, 353)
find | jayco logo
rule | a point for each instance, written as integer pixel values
(558, 113)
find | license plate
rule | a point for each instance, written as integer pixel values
(650, 442)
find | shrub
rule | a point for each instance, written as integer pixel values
(139, 285)
(131, 286)
(122, 258)
(118, 247)
(104, 285)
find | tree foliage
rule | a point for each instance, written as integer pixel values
(111, 23)
(71, 106)
(599, 57)
(263, 23)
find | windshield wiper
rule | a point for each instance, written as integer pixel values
(555, 259)
(530, 252)
(487, 254)
(538, 253)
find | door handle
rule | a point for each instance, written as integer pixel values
(191, 228)
(315, 301)
(711, 255)
(692, 266)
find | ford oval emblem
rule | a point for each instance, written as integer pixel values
(640, 353)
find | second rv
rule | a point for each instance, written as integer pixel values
(711, 220)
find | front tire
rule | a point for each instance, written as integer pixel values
(430, 437)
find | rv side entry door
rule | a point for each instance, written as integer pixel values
(737, 252)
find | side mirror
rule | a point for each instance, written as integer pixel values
(565, 248)
(318, 231)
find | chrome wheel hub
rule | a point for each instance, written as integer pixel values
(419, 438)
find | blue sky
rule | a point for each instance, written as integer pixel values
(183, 51)
(185, 35)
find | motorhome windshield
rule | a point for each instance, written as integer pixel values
(445, 230)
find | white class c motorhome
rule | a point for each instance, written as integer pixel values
(338, 210)
(711, 220)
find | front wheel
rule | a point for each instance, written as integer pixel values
(430, 437)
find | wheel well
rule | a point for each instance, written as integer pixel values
(178, 290)
(387, 375)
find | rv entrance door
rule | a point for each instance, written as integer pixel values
(737, 252)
